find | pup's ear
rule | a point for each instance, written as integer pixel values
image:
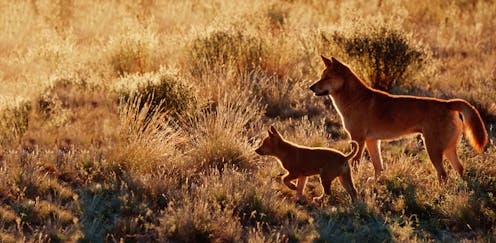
(326, 61)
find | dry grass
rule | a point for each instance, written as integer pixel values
(137, 120)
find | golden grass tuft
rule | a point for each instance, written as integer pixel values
(219, 134)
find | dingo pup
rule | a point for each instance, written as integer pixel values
(301, 162)
(371, 115)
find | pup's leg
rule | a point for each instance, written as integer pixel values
(287, 178)
(300, 186)
(347, 183)
(374, 148)
(325, 180)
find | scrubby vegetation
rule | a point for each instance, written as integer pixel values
(137, 120)
(386, 54)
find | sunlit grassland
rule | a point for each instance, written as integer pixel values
(137, 120)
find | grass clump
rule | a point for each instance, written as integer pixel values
(145, 137)
(282, 97)
(14, 121)
(219, 136)
(195, 222)
(352, 224)
(387, 55)
(134, 51)
(160, 91)
(99, 207)
(226, 49)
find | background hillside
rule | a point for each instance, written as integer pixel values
(138, 120)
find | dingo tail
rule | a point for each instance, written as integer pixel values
(474, 129)
(354, 150)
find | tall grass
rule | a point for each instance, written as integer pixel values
(137, 121)
(221, 134)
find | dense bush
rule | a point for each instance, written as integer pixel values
(385, 54)
(161, 91)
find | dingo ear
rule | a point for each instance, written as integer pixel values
(336, 62)
(326, 61)
(273, 132)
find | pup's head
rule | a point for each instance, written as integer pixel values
(332, 78)
(270, 143)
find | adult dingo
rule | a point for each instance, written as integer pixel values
(371, 115)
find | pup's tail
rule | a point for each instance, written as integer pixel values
(354, 150)
(474, 129)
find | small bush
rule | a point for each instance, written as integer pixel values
(134, 51)
(226, 49)
(160, 91)
(385, 54)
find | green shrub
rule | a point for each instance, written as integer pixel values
(386, 55)
(228, 49)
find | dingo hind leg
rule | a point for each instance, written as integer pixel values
(435, 150)
(453, 158)
(450, 150)
(442, 140)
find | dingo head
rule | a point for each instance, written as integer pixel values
(270, 144)
(332, 78)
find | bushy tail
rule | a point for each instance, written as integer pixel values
(474, 129)
(354, 150)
